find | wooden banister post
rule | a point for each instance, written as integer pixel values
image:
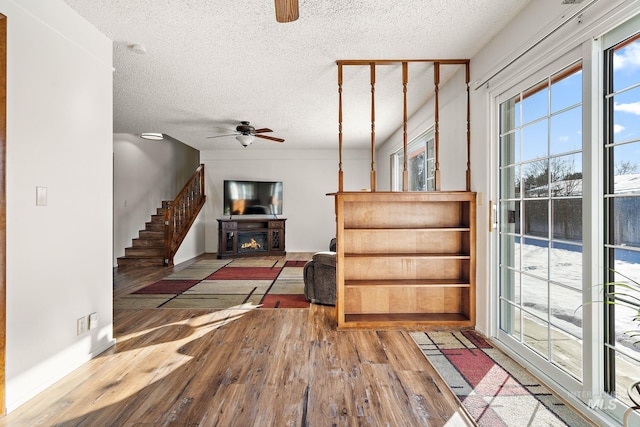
(468, 78)
(436, 81)
(405, 171)
(340, 174)
(372, 66)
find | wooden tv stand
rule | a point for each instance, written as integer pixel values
(255, 235)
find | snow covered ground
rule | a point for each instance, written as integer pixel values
(566, 310)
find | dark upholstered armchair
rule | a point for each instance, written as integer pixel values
(320, 278)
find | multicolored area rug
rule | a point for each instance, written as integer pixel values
(224, 284)
(493, 388)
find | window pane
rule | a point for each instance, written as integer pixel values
(535, 103)
(566, 175)
(566, 351)
(536, 334)
(536, 179)
(566, 92)
(510, 114)
(535, 295)
(627, 296)
(510, 183)
(416, 168)
(535, 139)
(566, 131)
(626, 66)
(510, 148)
(510, 285)
(626, 222)
(567, 219)
(626, 169)
(510, 217)
(626, 115)
(565, 309)
(431, 149)
(510, 319)
(536, 218)
(535, 259)
(510, 251)
(627, 372)
(566, 264)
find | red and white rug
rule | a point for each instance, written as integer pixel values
(494, 389)
(225, 284)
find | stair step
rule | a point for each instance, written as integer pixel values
(144, 251)
(127, 261)
(146, 234)
(157, 218)
(154, 226)
(156, 243)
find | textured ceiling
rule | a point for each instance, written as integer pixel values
(211, 63)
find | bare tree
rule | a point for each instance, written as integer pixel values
(556, 173)
(624, 167)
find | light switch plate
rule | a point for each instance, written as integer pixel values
(93, 320)
(41, 196)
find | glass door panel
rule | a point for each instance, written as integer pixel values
(540, 241)
(622, 221)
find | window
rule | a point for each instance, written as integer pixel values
(622, 204)
(541, 219)
(420, 164)
(553, 164)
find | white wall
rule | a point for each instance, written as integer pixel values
(146, 173)
(59, 136)
(307, 177)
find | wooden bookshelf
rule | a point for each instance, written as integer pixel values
(405, 259)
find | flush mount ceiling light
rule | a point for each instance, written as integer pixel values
(286, 10)
(245, 140)
(152, 136)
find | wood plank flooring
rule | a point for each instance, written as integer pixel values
(254, 367)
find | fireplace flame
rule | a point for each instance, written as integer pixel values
(252, 244)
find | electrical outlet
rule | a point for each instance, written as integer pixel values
(82, 325)
(93, 320)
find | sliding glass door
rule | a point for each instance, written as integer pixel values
(622, 213)
(569, 220)
(541, 219)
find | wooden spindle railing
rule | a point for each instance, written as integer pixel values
(181, 212)
(372, 64)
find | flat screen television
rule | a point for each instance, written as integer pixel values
(252, 197)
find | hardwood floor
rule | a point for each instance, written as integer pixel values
(251, 367)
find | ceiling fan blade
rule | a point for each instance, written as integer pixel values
(271, 138)
(220, 136)
(286, 10)
(262, 130)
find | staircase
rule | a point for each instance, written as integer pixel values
(148, 248)
(157, 244)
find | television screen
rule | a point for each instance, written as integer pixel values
(252, 197)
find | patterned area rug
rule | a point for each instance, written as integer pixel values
(223, 284)
(493, 388)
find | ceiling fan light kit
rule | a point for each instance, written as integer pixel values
(245, 140)
(245, 134)
(286, 10)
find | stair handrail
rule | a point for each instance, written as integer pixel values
(181, 212)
